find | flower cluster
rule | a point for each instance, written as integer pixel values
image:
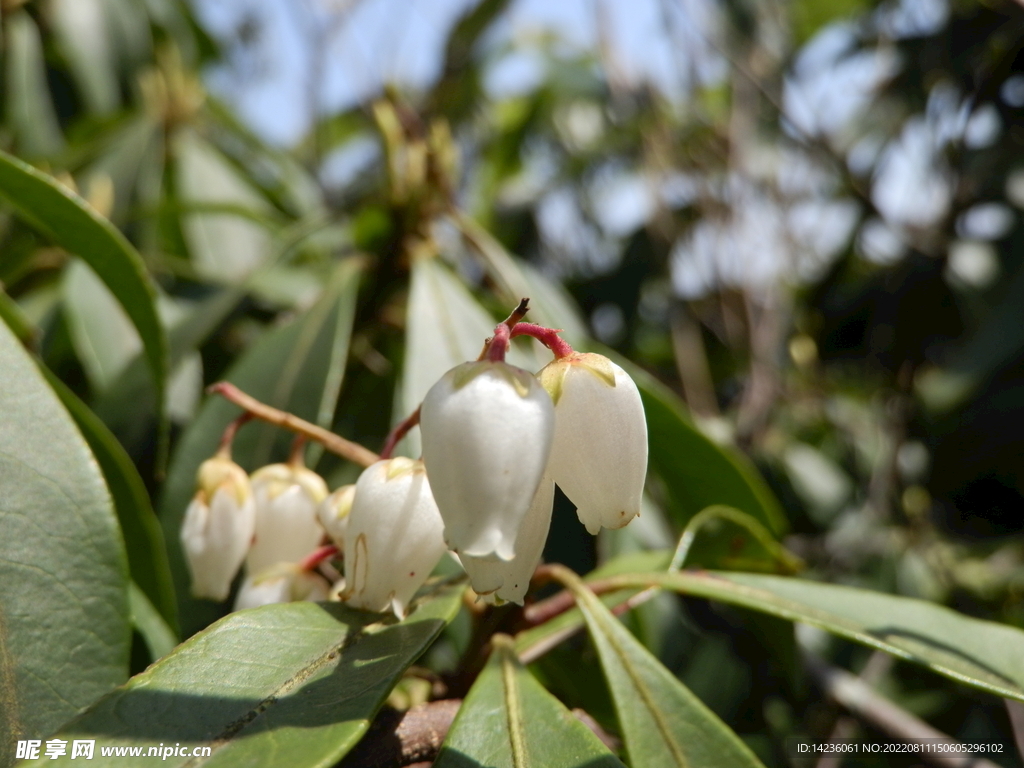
(496, 440)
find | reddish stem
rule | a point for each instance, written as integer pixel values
(224, 449)
(332, 442)
(401, 430)
(547, 336)
(317, 556)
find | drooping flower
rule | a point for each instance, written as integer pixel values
(287, 529)
(487, 429)
(394, 536)
(599, 453)
(281, 583)
(218, 527)
(498, 581)
(333, 513)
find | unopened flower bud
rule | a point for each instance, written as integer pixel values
(498, 581)
(394, 536)
(218, 527)
(281, 583)
(287, 528)
(599, 453)
(487, 429)
(333, 513)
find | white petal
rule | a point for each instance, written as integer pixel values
(495, 579)
(487, 429)
(287, 528)
(394, 537)
(284, 583)
(215, 539)
(333, 513)
(599, 453)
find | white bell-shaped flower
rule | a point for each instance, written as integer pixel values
(498, 581)
(487, 428)
(218, 527)
(281, 583)
(287, 528)
(394, 537)
(333, 513)
(599, 454)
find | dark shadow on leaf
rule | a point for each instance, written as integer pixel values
(349, 683)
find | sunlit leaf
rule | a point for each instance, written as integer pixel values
(663, 723)
(980, 653)
(63, 603)
(144, 541)
(71, 223)
(508, 720)
(82, 28)
(224, 246)
(297, 367)
(293, 683)
(28, 104)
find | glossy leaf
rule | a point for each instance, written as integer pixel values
(63, 602)
(662, 722)
(72, 223)
(292, 683)
(144, 541)
(983, 654)
(508, 720)
(535, 642)
(293, 367)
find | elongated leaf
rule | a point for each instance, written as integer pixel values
(696, 474)
(550, 304)
(983, 654)
(293, 367)
(128, 407)
(82, 28)
(64, 577)
(144, 541)
(72, 223)
(160, 638)
(290, 684)
(663, 723)
(508, 720)
(224, 246)
(28, 103)
(535, 642)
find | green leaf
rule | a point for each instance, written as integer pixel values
(297, 367)
(72, 223)
(81, 26)
(104, 338)
(160, 638)
(534, 643)
(128, 407)
(979, 653)
(224, 246)
(696, 473)
(28, 104)
(292, 684)
(62, 562)
(508, 720)
(550, 303)
(144, 541)
(663, 723)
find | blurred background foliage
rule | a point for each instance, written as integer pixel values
(802, 218)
